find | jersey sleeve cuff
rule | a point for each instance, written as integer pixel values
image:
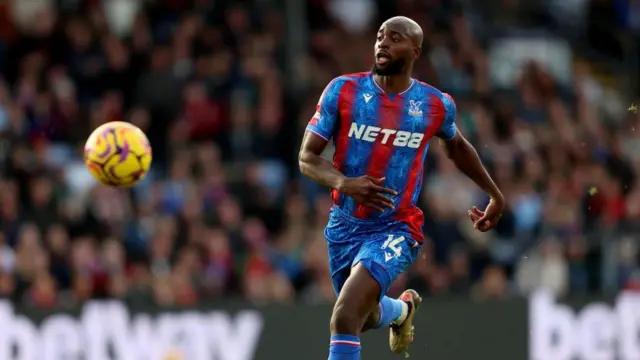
(317, 131)
(444, 136)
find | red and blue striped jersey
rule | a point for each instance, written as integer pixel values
(383, 135)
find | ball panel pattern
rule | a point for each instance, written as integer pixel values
(118, 154)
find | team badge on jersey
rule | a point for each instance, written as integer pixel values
(414, 108)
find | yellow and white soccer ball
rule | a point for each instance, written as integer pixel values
(118, 154)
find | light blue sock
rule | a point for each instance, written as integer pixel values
(390, 310)
(344, 347)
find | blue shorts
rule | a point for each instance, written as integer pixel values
(386, 249)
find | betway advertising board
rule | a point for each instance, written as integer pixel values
(596, 330)
(446, 329)
(108, 331)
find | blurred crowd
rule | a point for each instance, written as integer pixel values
(224, 212)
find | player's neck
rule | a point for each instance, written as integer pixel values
(394, 84)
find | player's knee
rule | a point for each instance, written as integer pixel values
(344, 320)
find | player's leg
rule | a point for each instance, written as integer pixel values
(385, 260)
(389, 311)
(345, 322)
(372, 321)
(357, 298)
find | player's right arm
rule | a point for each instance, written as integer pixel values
(365, 190)
(316, 167)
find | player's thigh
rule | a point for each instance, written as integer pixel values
(358, 297)
(386, 256)
(341, 256)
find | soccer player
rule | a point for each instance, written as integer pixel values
(381, 123)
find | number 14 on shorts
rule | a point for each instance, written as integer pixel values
(392, 248)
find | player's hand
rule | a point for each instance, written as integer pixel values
(367, 190)
(488, 219)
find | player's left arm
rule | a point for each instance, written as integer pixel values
(466, 158)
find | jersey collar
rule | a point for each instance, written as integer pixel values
(381, 91)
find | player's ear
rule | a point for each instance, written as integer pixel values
(417, 51)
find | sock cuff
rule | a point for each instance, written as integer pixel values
(350, 340)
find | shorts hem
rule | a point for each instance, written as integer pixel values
(383, 283)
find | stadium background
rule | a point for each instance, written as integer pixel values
(224, 89)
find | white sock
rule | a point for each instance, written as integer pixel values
(403, 316)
